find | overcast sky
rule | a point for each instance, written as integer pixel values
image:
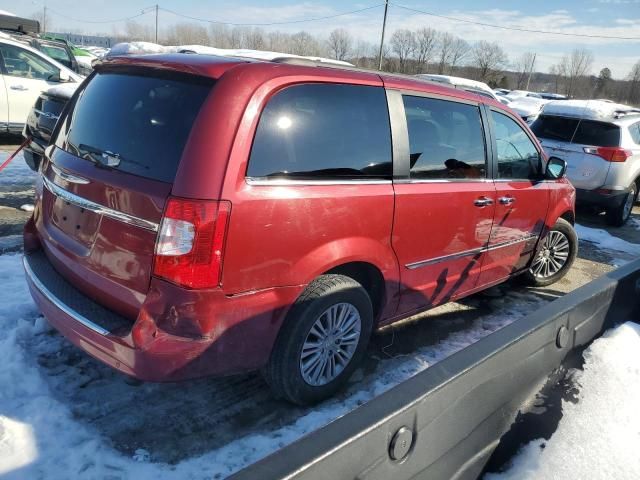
(594, 17)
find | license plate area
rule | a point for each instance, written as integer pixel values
(74, 221)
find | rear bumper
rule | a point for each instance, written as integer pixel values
(240, 341)
(593, 197)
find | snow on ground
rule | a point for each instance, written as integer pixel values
(607, 241)
(597, 437)
(17, 172)
(38, 431)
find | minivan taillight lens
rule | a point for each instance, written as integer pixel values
(610, 154)
(190, 243)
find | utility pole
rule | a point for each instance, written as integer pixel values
(156, 23)
(384, 24)
(533, 62)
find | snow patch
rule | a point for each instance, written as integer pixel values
(606, 241)
(589, 109)
(598, 437)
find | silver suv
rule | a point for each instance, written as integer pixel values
(600, 142)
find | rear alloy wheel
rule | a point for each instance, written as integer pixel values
(555, 255)
(322, 341)
(619, 216)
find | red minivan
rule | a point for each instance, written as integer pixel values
(198, 215)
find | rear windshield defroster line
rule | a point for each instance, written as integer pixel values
(136, 122)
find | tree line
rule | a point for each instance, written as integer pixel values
(425, 50)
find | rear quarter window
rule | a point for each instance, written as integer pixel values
(142, 119)
(554, 128)
(599, 134)
(323, 131)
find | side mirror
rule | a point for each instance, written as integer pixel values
(556, 168)
(64, 76)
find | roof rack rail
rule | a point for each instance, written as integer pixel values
(624, 113)
(18, 24)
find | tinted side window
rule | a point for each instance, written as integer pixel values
(19, 62)
(323, 131)
(554, 128)
(517, 156)
(445, 139)
(599, 134)
(635, 133)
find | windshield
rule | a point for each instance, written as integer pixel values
(136, 124)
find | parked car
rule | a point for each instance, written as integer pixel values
(198, 215)
(601, 143)
(462, 83)
(42, 119)
(552, 96)
(528, 107)
(26, 32)
(516, 94)
(26, 73)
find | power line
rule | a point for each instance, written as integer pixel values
(518, 29)
(124, 19)
(289, 22)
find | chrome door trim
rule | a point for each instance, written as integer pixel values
(97, 208)
(466, 253)
(67, 177)
(289, 182)
(58, 303)
(454, 256)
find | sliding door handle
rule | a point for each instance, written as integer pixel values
(483, 202)
(506, 200)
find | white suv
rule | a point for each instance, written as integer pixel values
(600, 142)
(25, 73)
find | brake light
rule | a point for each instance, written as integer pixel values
(190, 243)
(610, 154)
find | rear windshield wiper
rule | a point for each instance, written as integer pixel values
(103, 158)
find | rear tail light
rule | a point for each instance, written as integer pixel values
(610, 154)
(191, 242)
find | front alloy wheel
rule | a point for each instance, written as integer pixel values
(555, 256)
(552, 257)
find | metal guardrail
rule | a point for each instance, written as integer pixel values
(445, 422)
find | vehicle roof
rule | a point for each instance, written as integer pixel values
(9, 41)
(600, 110)
(215, 66)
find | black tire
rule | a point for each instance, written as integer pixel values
(618, 216)
(568, 231)
(283, 372)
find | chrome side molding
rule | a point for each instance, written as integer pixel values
(68, 177)
(467, 253)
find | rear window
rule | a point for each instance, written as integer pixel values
(323, 131)
(573, 130)
(136, 124)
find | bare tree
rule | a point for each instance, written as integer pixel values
(277, 41)
(523, 68)
(219, 35)
(364, 54)
(459, 51)
(634, 84)
(302, 43)
(187, 34)
(488, 57)
(578, 65)
(403, 44)
(254, 39)
(134, 31)
(445, 46)
(339, 43)
(426, 42)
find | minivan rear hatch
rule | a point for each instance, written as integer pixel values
(107, 178)
(570, 139)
